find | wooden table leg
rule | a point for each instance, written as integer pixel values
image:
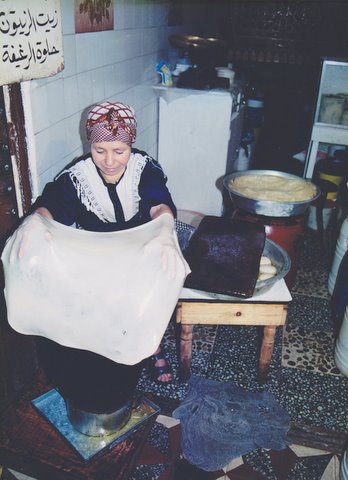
(266, 351)
(185, 351)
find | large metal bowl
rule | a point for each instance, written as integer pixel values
(268, 208)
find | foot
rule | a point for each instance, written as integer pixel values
(159, 367)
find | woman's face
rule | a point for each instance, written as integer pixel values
(110, 158)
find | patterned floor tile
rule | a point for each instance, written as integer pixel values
(315, 399)
(161, 451)
(309, 468)
(282, 463)
(288, 464)
(314, 265)
(310, 312)
(302, 451)
(245, 472)
(295, 462)
(312, 284)
(203, 337)
(310, 350)
(19, 476)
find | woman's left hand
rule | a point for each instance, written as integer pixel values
(166, 242)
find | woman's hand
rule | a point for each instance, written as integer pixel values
(21, 236)
(44, 212)
(166, 242)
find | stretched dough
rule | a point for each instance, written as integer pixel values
(90, 290)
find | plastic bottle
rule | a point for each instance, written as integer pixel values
(255, 116)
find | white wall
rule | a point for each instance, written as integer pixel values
(111, 65)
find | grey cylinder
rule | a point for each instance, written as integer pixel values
(341, 348)
(344, 466)
(341, 248)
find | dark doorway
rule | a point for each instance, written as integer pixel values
(17, 352)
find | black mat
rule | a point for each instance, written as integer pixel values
(224, 256)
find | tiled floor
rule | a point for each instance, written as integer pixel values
(294, 463)
(302, 377)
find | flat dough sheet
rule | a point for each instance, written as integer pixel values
(90, 290)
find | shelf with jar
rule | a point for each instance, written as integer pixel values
(330, 122)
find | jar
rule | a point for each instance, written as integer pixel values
(254, 113)
(334, 169)
(331, 109)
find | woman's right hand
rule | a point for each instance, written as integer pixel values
(44, 212)
(21, 236)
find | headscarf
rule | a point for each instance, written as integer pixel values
(109, 122)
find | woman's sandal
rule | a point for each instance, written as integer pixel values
(157, 371)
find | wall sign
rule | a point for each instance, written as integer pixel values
(30, 40)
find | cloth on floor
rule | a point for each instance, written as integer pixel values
(221, 421)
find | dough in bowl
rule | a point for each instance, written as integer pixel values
(273, 188)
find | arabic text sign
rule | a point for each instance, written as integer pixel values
(30, 40)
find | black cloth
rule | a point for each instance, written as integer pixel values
(224, 256)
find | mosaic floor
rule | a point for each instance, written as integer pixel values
(302, 377)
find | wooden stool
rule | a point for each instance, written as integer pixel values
(268, 310)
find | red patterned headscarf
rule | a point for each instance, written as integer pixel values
(109, 122)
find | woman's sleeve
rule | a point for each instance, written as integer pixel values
(60, 198)
(153, 189)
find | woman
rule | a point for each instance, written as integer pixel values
(114, 188)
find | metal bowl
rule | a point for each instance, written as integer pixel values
(280, 259)
(268, 208)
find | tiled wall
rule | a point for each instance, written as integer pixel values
(110, 65)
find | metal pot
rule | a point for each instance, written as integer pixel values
(268, 208)
(90, 382)
(193, 41)
(98, 424)
(202, 51)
